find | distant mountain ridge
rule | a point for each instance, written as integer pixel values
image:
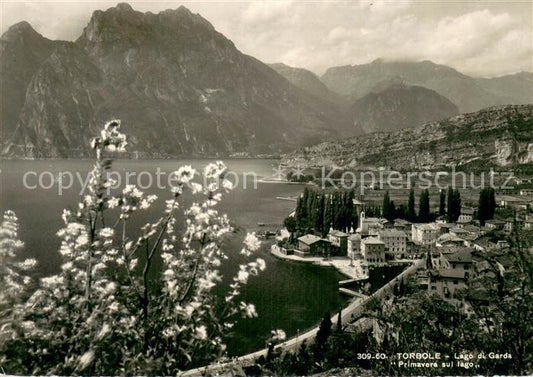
(497, 136)
(310, 82)
(468, 93)
(399, 106)
(179, 86)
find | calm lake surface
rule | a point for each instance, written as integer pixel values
(288, 296)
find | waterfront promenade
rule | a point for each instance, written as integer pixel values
(342, 264)
(352, 312)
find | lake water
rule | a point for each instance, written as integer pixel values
(289, 296)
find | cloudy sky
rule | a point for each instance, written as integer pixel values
(477, 37)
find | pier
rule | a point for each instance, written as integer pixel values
(269, 224)
(349, 292)
(344, 282)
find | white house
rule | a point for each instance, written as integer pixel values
(354, 246)
(467, 215)
(373, 250)
(425, 234)
(395, 243)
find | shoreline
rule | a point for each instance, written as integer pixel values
(341, 264)
(354, 308)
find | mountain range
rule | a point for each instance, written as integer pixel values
(183, 89)
(179, 87)
(467, 93)
(499, 136)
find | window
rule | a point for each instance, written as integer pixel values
(455, 282)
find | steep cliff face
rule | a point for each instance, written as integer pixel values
(58, 115)
(497, 136)
(179, 86)
(22, 50)
(400, 106)
(468, 93)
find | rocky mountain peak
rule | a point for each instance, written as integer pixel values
(121, 28)
(124, 7)
(21, 32)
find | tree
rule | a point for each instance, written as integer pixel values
(108, 311)
(424, 214)
(442, 204)
(454, 205)
(328, 215)
(486, 205)
(392, 211)
(324, 331)
(291, 225)
(411, 214)
(401, 212)
(386, 206)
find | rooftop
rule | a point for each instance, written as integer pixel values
(372, 241)
(448, 237)
(448, 274)
(337, 233)
(392, 233)
(428, 226)
(463, 256)
(354, 237)
(310, 239)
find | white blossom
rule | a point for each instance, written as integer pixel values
(201, 332)
(85, 360)
(251, 242)
(185, 174)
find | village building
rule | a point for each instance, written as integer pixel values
(425, 234)
(311, 245)
(373, 251)
(528, 224)
(509, 201)
(403, 225)
(413, 250)
(445, 283)
(449, 239)
(511, 223)
(395, 243)
(461, 261)
(494, 224)
(354, 246)
(466, 216)
(369, 226)
(339, 242)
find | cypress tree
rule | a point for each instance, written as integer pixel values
(454, 205)
(486, 205)
(392, 211)
(411, 214)
(449, 210)
(386, 205)
(442, 204)
(327, 215)
(424, 214)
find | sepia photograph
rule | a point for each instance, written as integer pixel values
(250, 188)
